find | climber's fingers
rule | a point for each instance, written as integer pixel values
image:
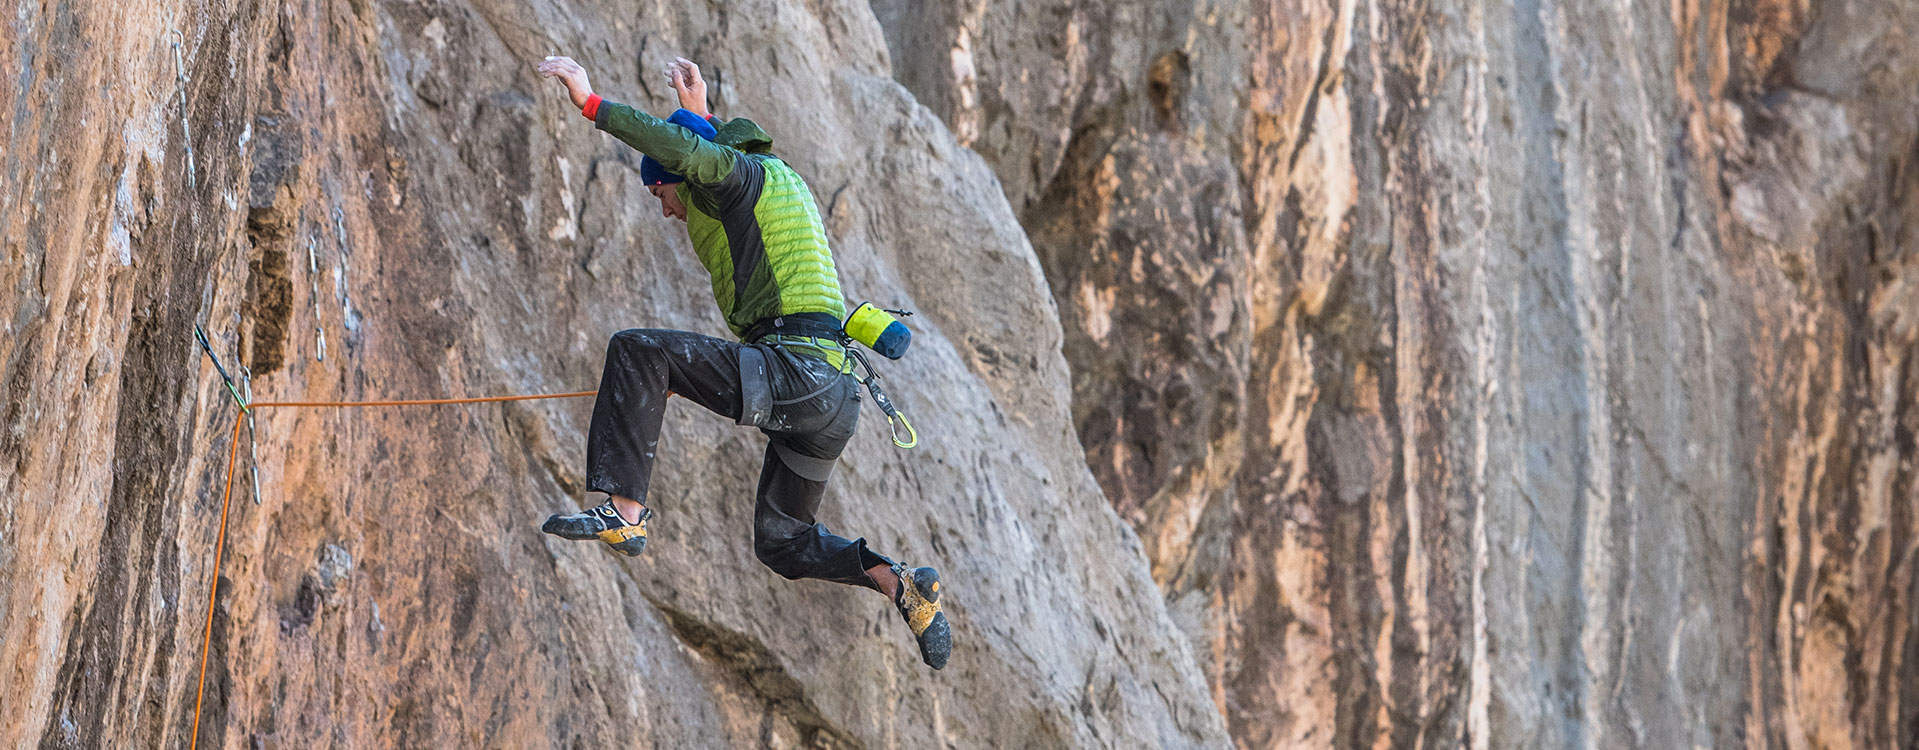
(689, 70)
(560, 67)
(683, 74)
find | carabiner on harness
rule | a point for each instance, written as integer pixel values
(894, 419)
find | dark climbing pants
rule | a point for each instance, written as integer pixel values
(806, 408)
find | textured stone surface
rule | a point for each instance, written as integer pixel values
(1493, 375)
(1524, 375)
(474, 236)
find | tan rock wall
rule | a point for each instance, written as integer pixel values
(1496, 375)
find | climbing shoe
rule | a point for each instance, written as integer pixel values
(603, 523)
(918, 599)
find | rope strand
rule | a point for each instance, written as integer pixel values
(219, 547)
(426, 401)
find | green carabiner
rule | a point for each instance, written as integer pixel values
(912, 437)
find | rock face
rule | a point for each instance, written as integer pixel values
(1480, 374)
(372, 200)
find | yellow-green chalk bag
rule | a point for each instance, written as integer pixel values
(878, 330)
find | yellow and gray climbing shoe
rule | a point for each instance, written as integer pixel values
(603, 523)
(918, 600)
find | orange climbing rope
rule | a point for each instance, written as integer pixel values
(233, 456)
(427, 401)
(226, 498)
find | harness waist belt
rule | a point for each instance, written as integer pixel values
(810, 324)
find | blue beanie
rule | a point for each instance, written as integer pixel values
(653, 172)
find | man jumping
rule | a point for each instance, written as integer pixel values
(757, 231)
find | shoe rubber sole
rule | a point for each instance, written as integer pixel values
(564, 528)
(919, 605)
(626, 540)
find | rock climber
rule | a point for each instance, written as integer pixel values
(757, 230)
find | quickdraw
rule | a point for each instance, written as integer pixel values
(894, 419)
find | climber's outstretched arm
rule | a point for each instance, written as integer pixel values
(678, 149)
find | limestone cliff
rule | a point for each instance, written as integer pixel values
(1534, 374)
(375, 199)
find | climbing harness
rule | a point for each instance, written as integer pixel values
(877, 328)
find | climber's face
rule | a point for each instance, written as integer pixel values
(670, 205)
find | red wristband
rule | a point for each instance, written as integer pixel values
(592, 108)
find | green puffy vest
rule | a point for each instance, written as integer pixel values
(751, 218)
(765, 250)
